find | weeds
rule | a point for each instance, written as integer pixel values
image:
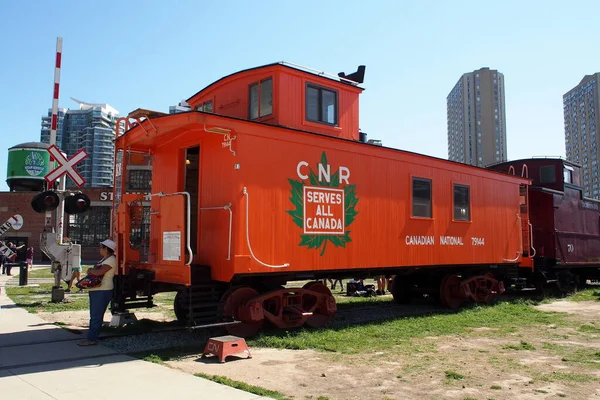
(244, 386)
(521, 346)
(454, 375)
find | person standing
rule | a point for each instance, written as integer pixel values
(75, 274)
(14, 249)
(29, 258)
(2, 259)
(101, 296)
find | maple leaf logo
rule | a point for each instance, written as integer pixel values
(320, 240)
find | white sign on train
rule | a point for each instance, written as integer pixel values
(415, 240)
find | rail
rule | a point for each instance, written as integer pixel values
(317, 72)
(228, 208)
(187, 225)
(245, 191)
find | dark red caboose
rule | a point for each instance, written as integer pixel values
(566, 225)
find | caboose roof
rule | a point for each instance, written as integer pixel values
(280, 64)
(555, 159)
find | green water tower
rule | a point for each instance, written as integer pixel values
(28, 164)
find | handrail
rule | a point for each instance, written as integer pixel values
(531, 240)
(228, 208)
(245, 191)
(317, 72)
(187, 238)
(227, 139)
(519, 253)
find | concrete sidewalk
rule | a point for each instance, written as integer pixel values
(39, 361)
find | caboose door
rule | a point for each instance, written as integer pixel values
(192, 181)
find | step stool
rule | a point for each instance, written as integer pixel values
(223, 346)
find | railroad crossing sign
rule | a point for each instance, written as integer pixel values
(15, 222)
(66, 166)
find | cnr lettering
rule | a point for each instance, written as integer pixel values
(324, 172)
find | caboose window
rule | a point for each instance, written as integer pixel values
(568, 174)
(207, 106)
(321, 105)
(548, 174)
(421, 202)
(261, 98)
(462, 203)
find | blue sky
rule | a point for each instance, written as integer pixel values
(152, 54)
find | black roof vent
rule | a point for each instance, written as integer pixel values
(358, 76)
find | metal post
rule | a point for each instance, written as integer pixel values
(60, 211)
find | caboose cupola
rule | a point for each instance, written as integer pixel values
(287, 95)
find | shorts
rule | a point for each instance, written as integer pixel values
(29, 261)
(76, 269)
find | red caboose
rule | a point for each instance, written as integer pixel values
(266, 182)
(566, 225)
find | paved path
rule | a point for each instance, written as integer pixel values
(39, 361)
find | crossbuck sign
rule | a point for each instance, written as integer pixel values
(66, 166)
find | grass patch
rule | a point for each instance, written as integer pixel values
(589, 294)
(567, 377)
(243, 386)
(589, 328)
(43, 273)
(454, 375)
(36, 299)
(521, 346)
(153, 358)
(496, 387)
(393, 335)
(170, 354)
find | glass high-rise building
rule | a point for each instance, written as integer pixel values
(477, 119)
(91, 127)
(581, 107)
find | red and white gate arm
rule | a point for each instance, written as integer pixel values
(66, 165)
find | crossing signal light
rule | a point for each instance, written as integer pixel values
(77, 203)
(45, 201)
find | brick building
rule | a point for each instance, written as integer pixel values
(88, 228)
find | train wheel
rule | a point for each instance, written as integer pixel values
(319, 319)
(449, 292)
(566, 282)
(490, 297)
(181, 306)
(234, 299)
(402, 290)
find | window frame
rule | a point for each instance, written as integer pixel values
(202, 106)
(412, 197)
(321, 88)
(469, 202)
(258, 84)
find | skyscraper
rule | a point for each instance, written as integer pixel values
(477, 119)
(581, 107)
(91, 127)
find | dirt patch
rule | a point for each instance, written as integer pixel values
(79, 320)
(583, 308)
(484, 364)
